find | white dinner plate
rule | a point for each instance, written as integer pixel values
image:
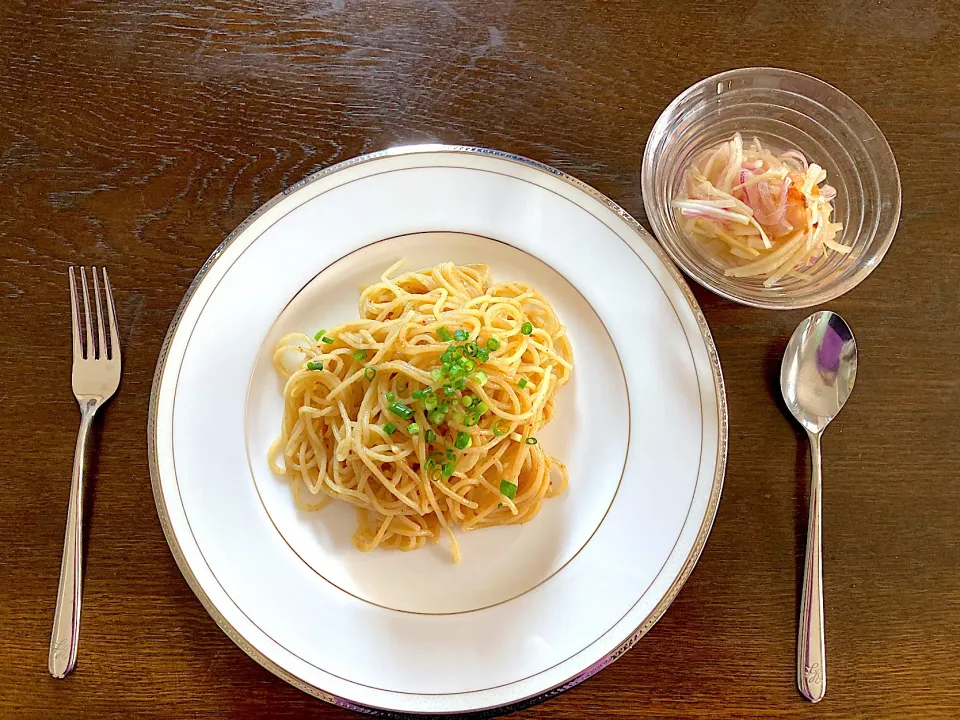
(532, 609)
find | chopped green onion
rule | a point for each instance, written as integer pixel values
(449, 390)
(531, 441)
(496, 428)
(370, 373)
(508, 489)
(391, 397)
(413, 429)
(437, 455)
(480, 377)
(436, 374)
(462, 442)
(417, 394)
(328, 340)
(493, 344)
(467, 401)
(430, 402)
(400, 410)
(430, 465)
(522, 384)
(359, 355)
(471, 419)
(461, 335)
(459, 417)
(469, 365)
(451, 455)
(436, 416)
(526, 328)
(447, 469)
(314, 365)
(320, 334)
(457, 370)
(444, 334)
(459, 383)
(429, 436)
(389, 428)
(481, 408)
(472, 349)
(444, 407)
(483, 355)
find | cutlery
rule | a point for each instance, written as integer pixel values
(96, 375)
(816, 378)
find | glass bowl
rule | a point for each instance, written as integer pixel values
(785, 110)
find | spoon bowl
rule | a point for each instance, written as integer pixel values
(819, 368)
(816, 378)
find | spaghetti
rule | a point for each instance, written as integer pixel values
(423, 413)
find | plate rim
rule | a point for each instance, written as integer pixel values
(702, 534)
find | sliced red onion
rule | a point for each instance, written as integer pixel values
(828, 192)
(796, 155)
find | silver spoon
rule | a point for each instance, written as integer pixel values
(819, 367)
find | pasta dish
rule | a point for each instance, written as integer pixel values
(424, 413)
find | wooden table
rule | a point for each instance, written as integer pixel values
(138, 134)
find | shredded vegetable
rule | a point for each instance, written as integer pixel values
(758, 213)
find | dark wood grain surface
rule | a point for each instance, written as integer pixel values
(138, 134)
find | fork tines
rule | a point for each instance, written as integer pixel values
(99, 349)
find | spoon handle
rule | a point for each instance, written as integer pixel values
(811, 652)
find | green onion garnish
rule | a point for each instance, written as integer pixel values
(400, 410)
(413, 429)
(320, 334)
(359, 355)
(446, 470)
(472, 348)
(492, 344)
(328, 340)
(314, 365)
(389, 428)
(459, 417)
(449, 390)
(436, 374)
(531, 441)
(391, 397)
(459, 383)
(508, 489)
(526, 328)
(496, 428)
(430, 402)
(417, 394)
(462, 442)
(469, 365)
(429, 436)
(444, 334)
(467, 401)
(471, 419)
(481, 408)
(429, 465)
(370, 373)
(451, 455)
(483, 355)
(480, 377)
(461, 335)
(522, 384)
(444, 407)
(436, 416)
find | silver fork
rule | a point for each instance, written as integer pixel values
(96, 375)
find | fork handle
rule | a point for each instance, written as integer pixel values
(66, 620)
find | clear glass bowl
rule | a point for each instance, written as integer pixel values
(785, 109)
